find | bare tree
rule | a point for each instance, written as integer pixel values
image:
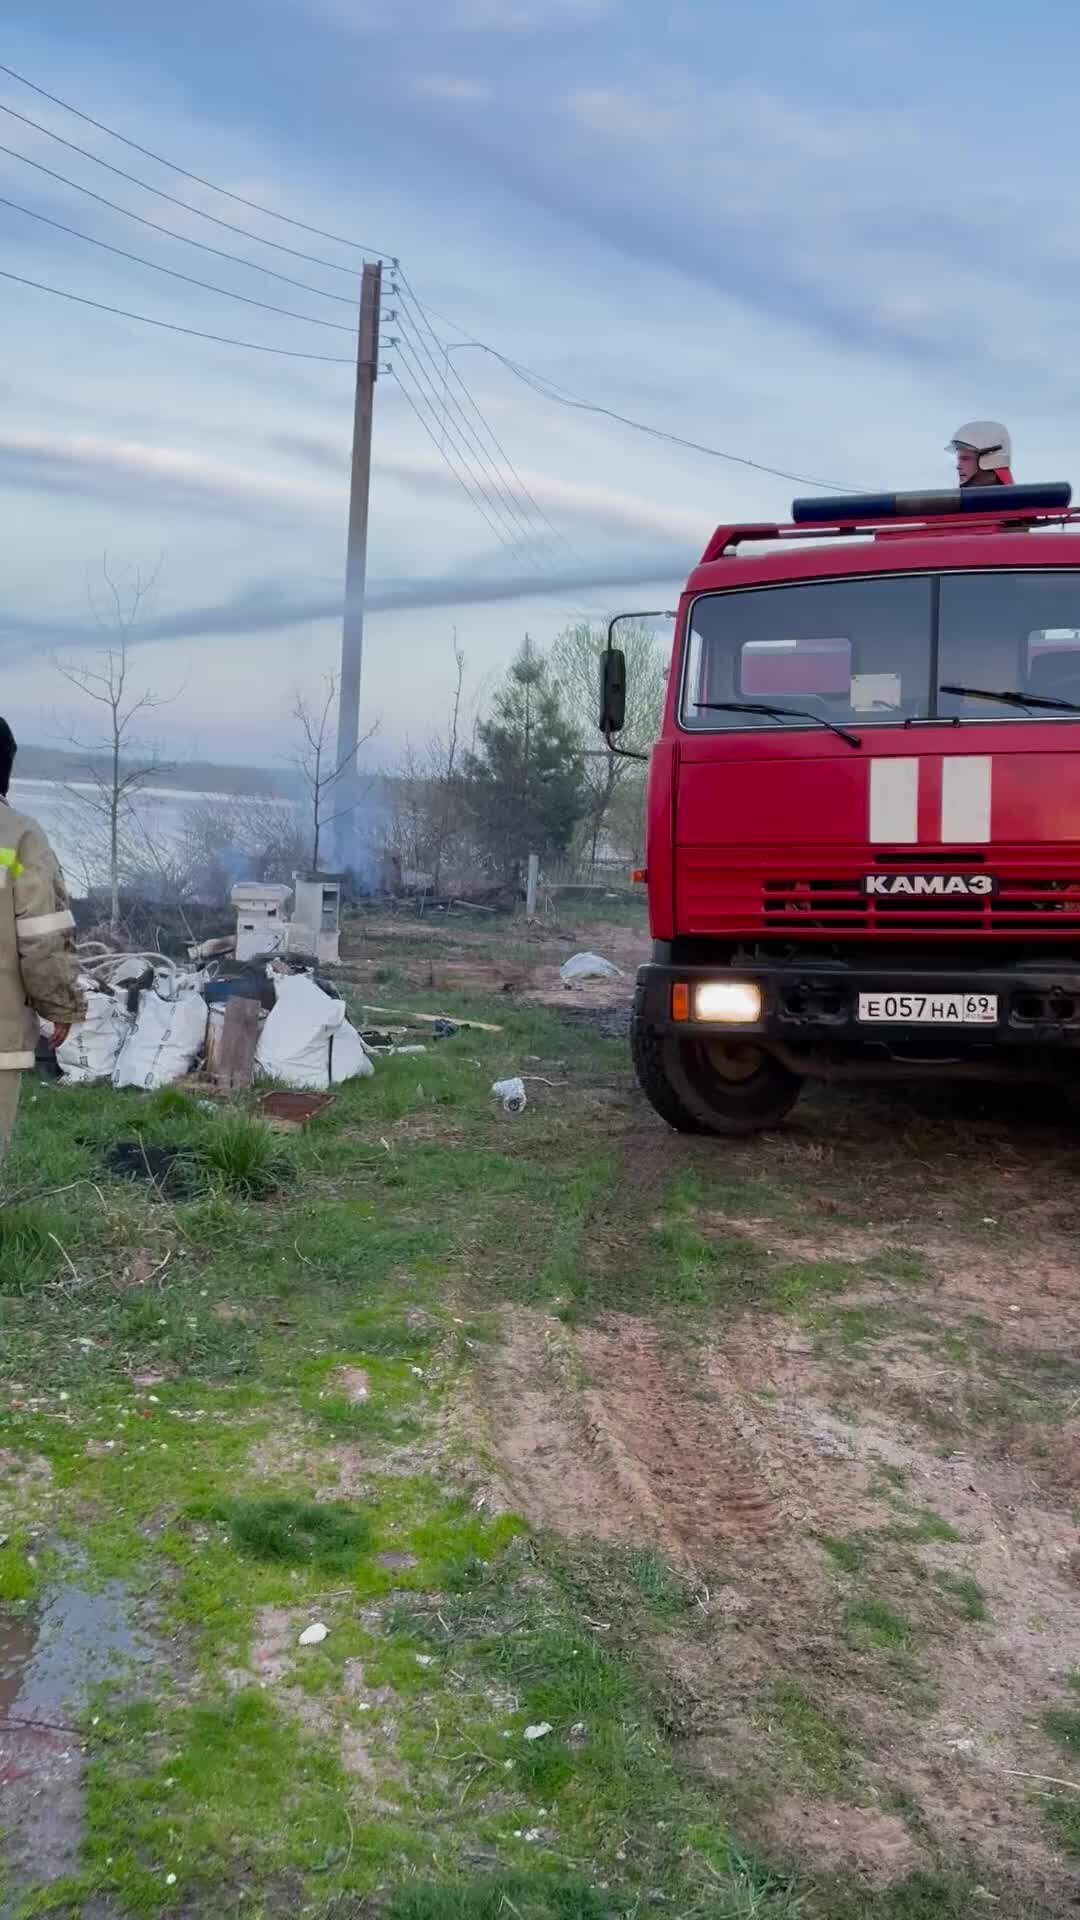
(319, 768)
(118, 763)
(245, 837)
(575, 662)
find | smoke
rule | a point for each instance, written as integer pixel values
(265, 608)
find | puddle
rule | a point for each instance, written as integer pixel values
(50, 1660)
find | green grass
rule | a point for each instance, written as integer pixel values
(850, 1552)
(663, 1590)
(295, 1533)
(969, 1596)
(816, 1742)
(19, 1580)
(242, 1156)
(919, 1896)
(1063, 1725)
(1063, 1817)
(28, 1254)
(532, 1896)
(924, 1529)
(872, 1622)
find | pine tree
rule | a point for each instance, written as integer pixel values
(525, 780)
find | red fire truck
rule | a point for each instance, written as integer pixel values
(864, 805)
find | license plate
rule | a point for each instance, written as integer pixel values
(929, 1009)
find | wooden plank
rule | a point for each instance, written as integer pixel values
(235, 1066)
(430, 1019)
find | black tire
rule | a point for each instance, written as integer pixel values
(681, 1082)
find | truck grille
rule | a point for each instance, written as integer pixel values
(1020, 904)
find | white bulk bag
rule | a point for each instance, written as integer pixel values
(307, 1040)
(165, 1042)
(93, 1045)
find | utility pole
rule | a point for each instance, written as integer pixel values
(352, 631)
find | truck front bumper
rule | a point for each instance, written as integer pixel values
(808, 1004)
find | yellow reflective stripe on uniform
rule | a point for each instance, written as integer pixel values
(9, 859)
(33, 926)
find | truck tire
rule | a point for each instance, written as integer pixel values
(689, 1084)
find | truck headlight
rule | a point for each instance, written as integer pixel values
(730, 1002)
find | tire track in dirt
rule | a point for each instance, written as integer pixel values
(602, 1435)
(730, 1458)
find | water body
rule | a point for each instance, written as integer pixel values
(78, 835)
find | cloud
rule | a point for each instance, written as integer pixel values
(456, 87)
(604, 507)
(271, 607)
(464, 16)
(842, 219)
(141, 475)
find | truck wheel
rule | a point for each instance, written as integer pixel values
(710, 1086)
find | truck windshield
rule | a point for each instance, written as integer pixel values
(859, 651)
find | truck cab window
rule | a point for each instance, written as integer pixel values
(1018, 632)
(846, 650)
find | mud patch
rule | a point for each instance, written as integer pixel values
(605, 1435)
(738, 1463)
(876, 1847)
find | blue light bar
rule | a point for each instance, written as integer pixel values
(860, 508)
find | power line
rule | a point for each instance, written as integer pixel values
(171, 326)
(406, 293)
(507, 502)
(509, 532)
(149, 154)
(332, 266)
(219, 253)
(189, 279)
(497, 530)
(560, 396)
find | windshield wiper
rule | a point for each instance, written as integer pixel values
(1011, 698)
(778, 713)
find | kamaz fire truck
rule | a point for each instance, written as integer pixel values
(864, 805)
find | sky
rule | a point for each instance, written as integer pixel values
(819, 239)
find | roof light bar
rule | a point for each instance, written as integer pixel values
(864, 507)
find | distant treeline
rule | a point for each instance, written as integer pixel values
(186, 776)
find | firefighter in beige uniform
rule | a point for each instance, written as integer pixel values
(38, 968)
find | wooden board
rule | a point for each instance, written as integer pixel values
(235, 1063)
(431, 1019)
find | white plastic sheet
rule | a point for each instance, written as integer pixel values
(307, 1041)
(586, 966)
(165, 1041)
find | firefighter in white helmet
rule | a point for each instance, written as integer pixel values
(983, 452)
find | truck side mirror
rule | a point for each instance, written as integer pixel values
(613, 691)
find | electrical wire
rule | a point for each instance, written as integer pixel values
(219, 253)
(496, 485)
(189, 279)
(560, 396)
(171, 326)
(148, 153)
(405, 293)
(332, 266)
(496, 529)
(441, 404)
(509, 532)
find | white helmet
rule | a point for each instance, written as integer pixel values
(989, 439)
